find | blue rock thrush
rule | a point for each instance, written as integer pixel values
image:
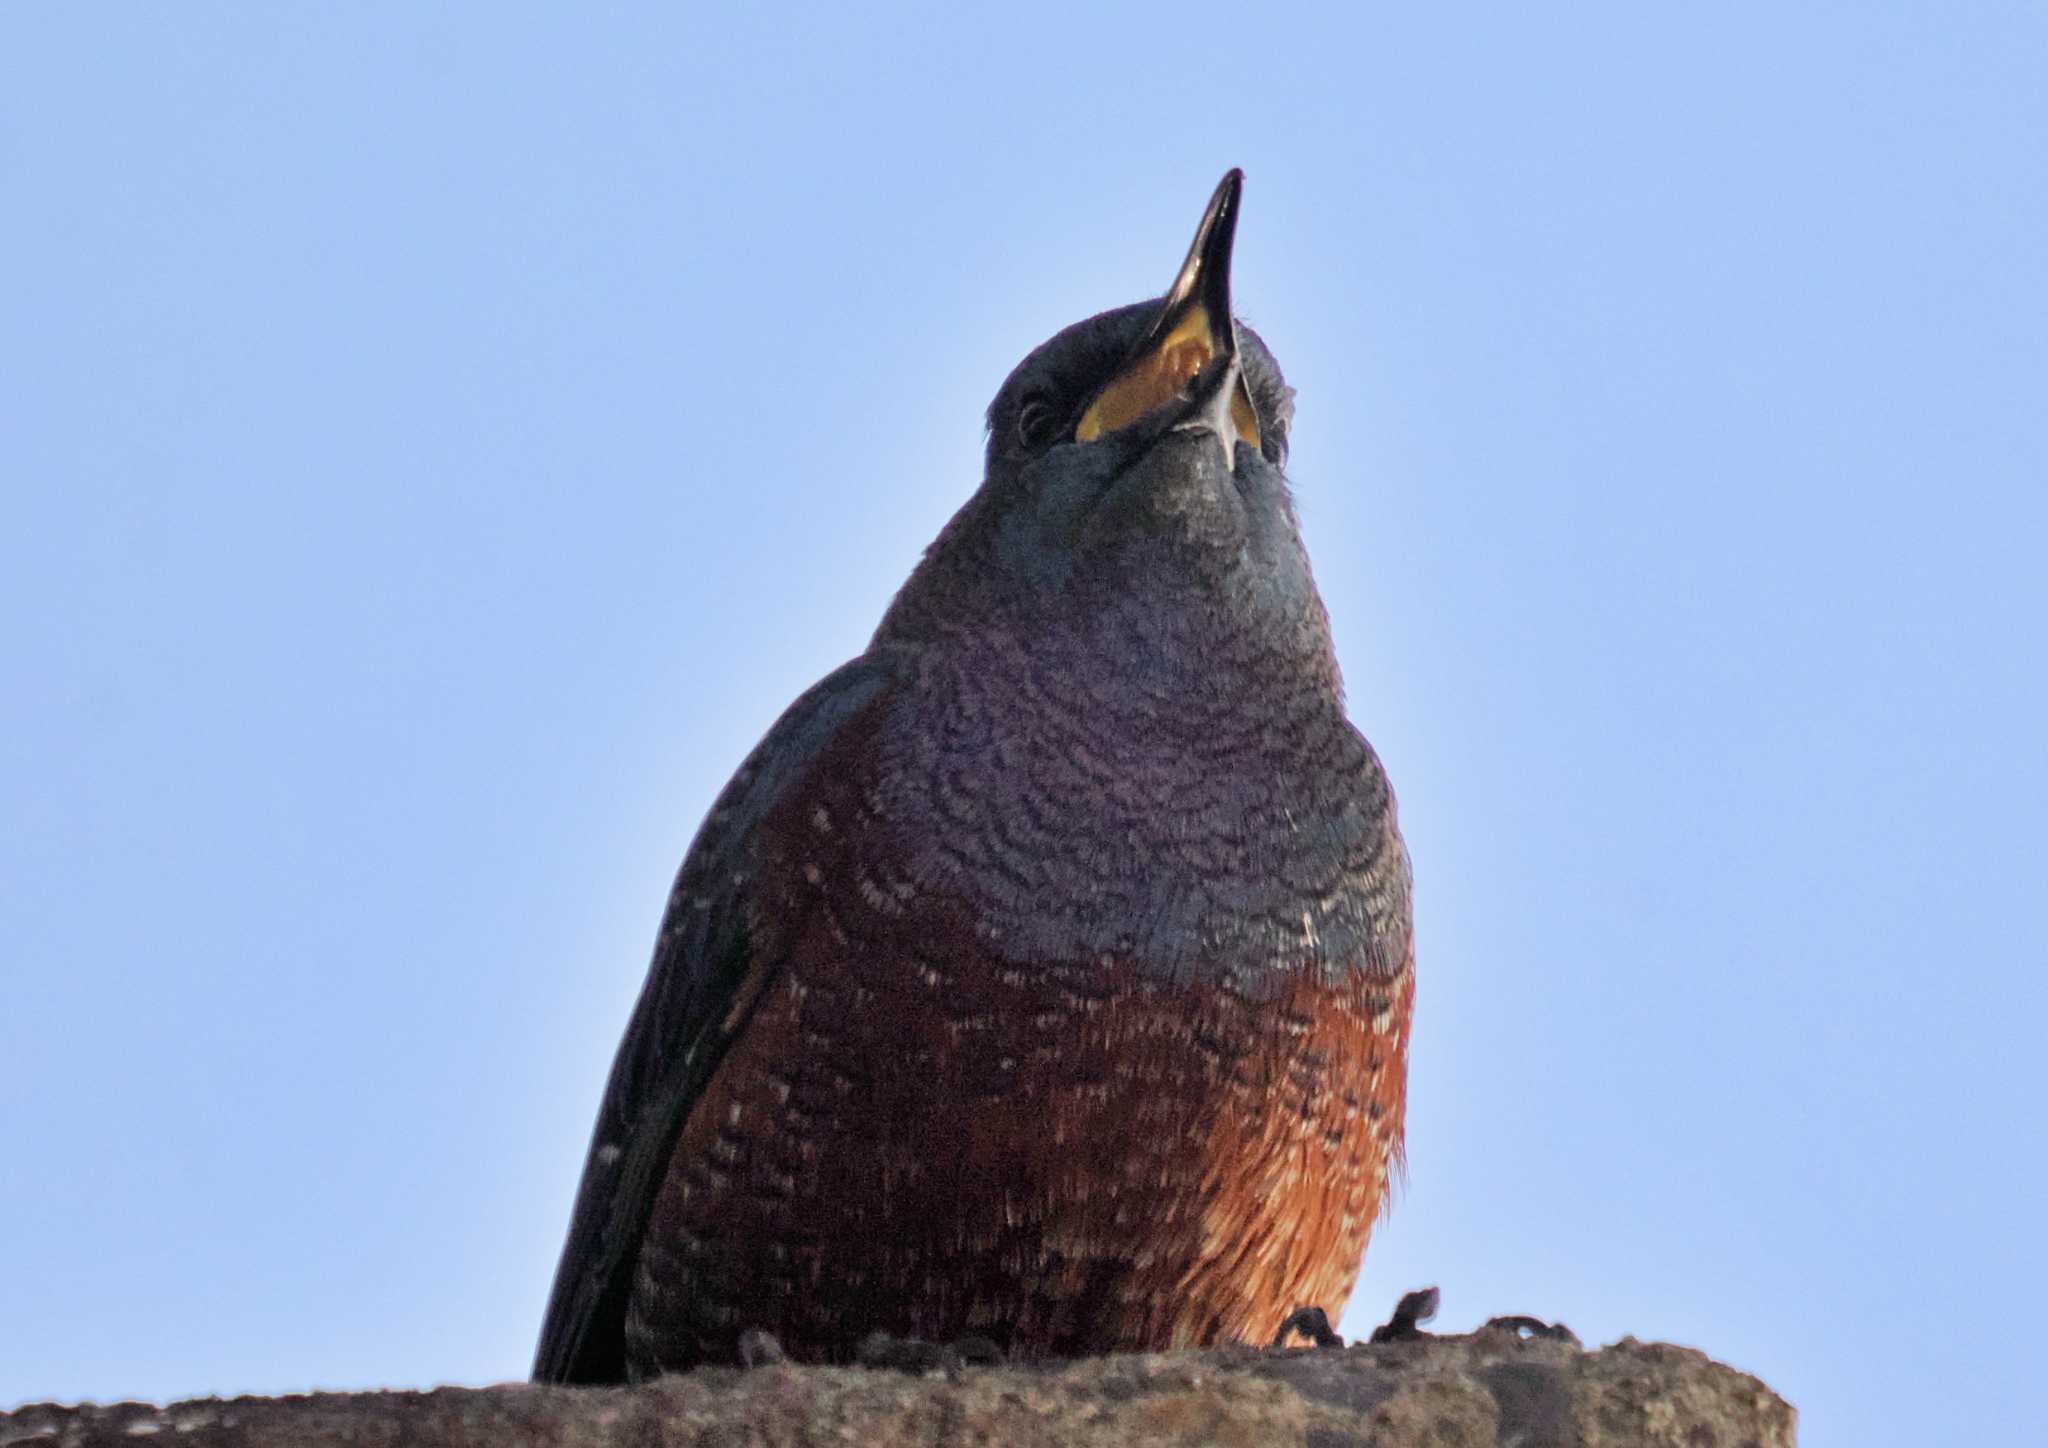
(1045, 974)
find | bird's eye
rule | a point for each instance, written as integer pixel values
(1036, 422)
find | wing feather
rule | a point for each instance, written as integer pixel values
(690, 1011)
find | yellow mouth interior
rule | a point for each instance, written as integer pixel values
(1162, 376)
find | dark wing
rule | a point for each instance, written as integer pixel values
(679, 1032)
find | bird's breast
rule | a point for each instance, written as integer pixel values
(1069, 815)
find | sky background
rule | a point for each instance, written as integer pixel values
(436, 443)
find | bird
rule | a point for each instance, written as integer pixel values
(1045, 975)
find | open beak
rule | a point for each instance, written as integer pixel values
(1189, 355)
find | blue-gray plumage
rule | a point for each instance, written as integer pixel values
(1045, 974)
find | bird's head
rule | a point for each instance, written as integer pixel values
(1135, 460)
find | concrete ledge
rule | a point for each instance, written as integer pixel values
(1486, 1390)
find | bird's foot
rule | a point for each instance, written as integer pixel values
(915, 1355)
(1528, 1327)
(1414, 1309)
(1312, 1323)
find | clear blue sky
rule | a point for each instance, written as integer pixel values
(437, 441)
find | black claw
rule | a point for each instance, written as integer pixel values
(1532, 1327)
(759, 1349)
(1414, 1309)
(1312, 1323)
